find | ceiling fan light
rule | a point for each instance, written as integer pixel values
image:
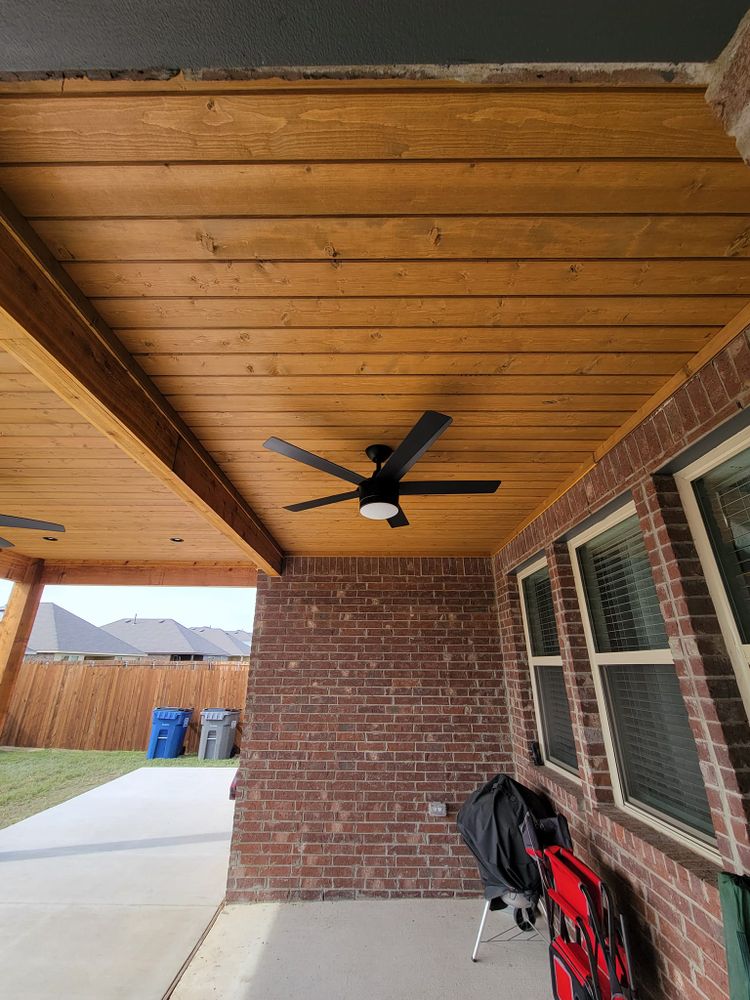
(378, 510)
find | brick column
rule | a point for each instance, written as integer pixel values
(728, 92)
(707, 679)
(579, 681)
(376, 687)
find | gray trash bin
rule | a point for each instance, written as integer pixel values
(218, 729)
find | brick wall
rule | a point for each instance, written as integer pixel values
(668, 891)
(375, 687)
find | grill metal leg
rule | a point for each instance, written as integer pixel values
(485, 911)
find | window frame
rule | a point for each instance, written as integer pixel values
(739, 653)
(542, 661)
(597, 660)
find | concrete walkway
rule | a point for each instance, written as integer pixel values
(369, 950)
(105, 896)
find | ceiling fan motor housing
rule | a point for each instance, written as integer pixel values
(378, 490)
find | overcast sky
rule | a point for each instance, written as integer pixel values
(219, 607)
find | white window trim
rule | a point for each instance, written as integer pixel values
(598, 660)
(739, 654)
(540, 661)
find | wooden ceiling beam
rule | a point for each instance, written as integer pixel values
(49, 326)
(14, 566)
(149, 574)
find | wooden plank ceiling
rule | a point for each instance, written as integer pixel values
(325, 262)
(55, 467)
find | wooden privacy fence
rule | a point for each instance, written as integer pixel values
(106, 704)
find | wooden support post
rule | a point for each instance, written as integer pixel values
(15, 629)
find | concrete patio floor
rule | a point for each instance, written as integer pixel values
(364, 950)
(105, 896)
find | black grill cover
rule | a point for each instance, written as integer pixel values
(490, 823)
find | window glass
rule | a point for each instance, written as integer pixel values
(724, 499)
(655, 744)
(555, 711)
(541, 614)
(549, 680)
(620, 593)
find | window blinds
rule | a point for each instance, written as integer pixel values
(555, 712)
(655, 745)
(554, 709)
(724, 499)
(620, 592)
(540, 613)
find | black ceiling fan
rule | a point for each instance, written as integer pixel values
(8, 521)
(379, 493)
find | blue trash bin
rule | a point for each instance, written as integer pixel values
(168, 728)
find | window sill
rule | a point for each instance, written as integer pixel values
(679, 853)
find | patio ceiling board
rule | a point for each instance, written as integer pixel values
(324, 263)
(320, 279)
(378, 187)
(345, 125)
(469, 311)
(397, 238)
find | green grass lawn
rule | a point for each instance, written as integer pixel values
(33, 780)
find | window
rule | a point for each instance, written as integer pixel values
(550, 697)
(650, 745)
(715, 492)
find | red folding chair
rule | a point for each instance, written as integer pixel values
(589, 952)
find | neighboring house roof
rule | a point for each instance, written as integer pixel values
(59, 631)
(231, 644)
(242, 634)
(160, 636)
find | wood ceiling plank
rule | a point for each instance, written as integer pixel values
(371, 404)
(91, 370)
(458, 451)
(456, 363)
(381, 420)
(518, 310)
(470, 385)
(569, 237)
(380, 188)
(390, 340)
(418, 278)
(40, 400)
(42, 436)
(460, 438)
(407, 125)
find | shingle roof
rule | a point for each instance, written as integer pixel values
(230, 643)
(158, 636)
(59, 631)
(242, 634)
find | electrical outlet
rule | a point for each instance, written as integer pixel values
(437, 809)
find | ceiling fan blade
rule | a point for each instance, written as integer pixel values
(437, 487)
(398, 520)
(324, 501)
(7, 521)
(314, 461)
(5, 544)
(425, 432)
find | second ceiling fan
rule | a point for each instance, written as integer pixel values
(380, 493)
